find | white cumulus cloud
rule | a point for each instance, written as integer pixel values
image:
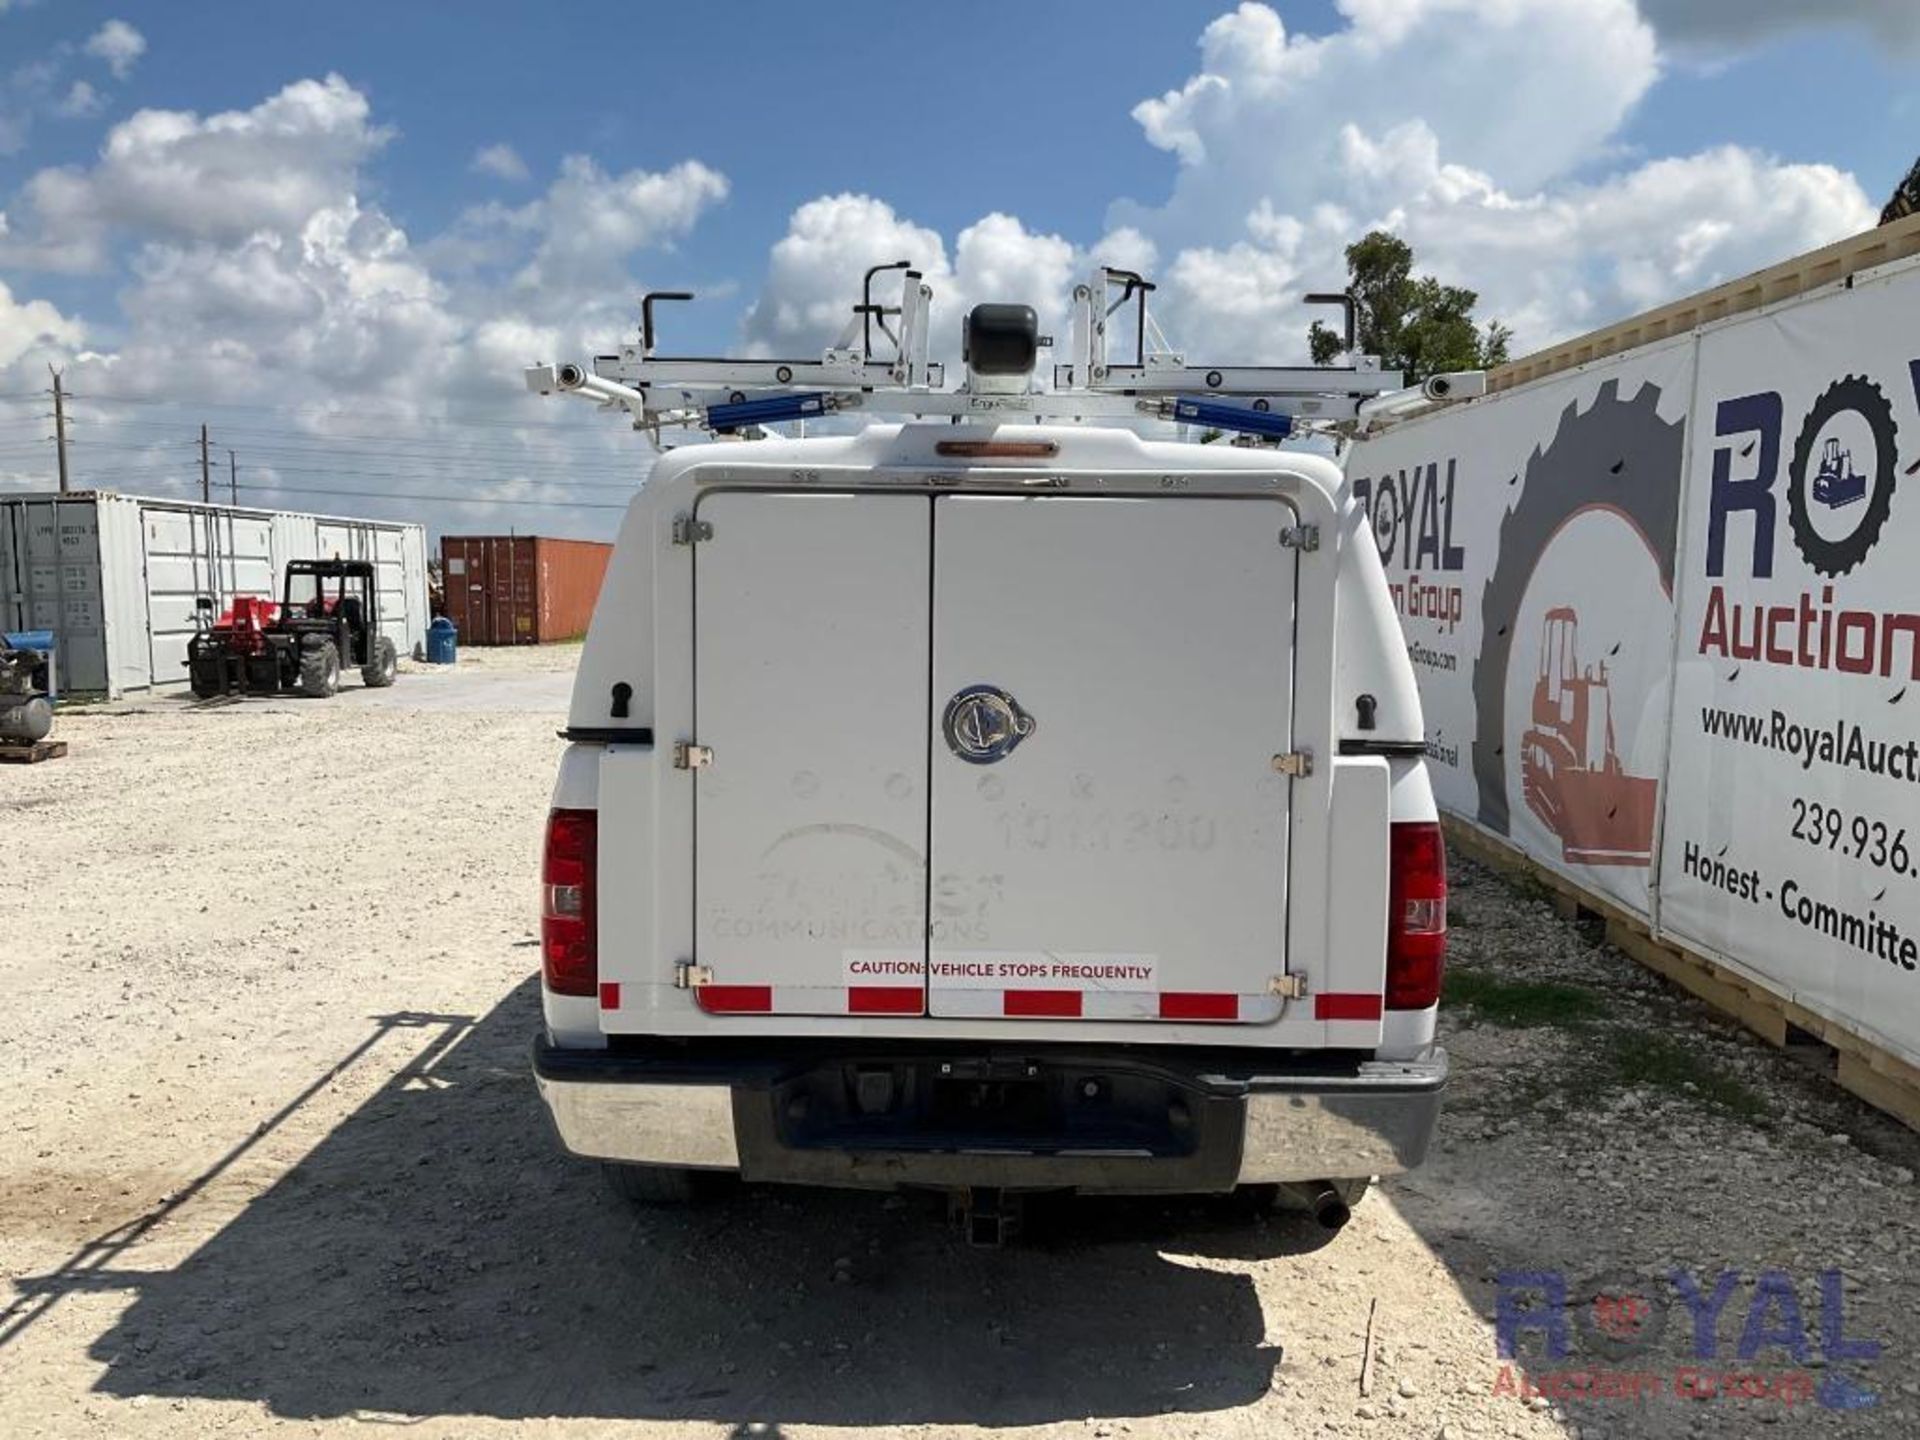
(1480, 132)
(173, 174)
(814, 271)
(119, 45)
(501, 161)
(81, 101)
(1486, 132)
(253, 268)
(30, 327)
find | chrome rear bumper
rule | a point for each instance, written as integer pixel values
(1242, 1124)
(1379, 1123)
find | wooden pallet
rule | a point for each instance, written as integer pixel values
(1881, 1078)
(11, 754)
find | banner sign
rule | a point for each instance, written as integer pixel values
(1665, 614)
(1793, 818)
(1529, 543)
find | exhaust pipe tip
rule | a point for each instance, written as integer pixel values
(1327, 1208)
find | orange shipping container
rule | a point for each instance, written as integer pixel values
(520, 589)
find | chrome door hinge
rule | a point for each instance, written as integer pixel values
(688, 756)
(686, 530)
(1301, 537)
(689, 976)
(1295, 763)
(1288, 987)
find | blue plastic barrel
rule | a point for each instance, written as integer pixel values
(442, 641)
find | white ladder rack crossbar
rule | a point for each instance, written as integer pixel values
(732, 394)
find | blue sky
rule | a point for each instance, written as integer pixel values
(335, 258)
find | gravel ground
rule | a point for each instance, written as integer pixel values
(269, 1160)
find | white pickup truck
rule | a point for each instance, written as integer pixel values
(993, 808)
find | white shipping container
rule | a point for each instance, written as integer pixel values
(116, 577)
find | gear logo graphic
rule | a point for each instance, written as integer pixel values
(1827, 474)
(1617, 455)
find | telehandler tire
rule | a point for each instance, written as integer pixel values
(320, 670)
(378, 672)
(207, 675)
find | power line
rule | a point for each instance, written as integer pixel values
(469, 462)
(557, 502)
(527, 476)
(308, 440)
(441, 499)
(403, 477)
(452, 418)
(438, 499)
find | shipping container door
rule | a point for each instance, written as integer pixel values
(499, 598)
(810, 690)
(390, 584)
(510, 584)
(54, 583)
(1112, 681)
(244, 545)
(180, 569)
(337, 539)
(465, 585)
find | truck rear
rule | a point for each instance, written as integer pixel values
(994, 808)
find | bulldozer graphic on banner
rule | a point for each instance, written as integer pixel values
(1570, 772)
(1837, 483)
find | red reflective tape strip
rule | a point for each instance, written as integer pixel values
(735, 999)
(609, 994)
(1335, 1005)
(1198, 1005)
(885, 1000)
(1056, 1003)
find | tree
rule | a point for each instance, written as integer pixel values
(1412, 322)
(1906, 197)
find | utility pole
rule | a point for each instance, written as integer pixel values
(60, 425)
(233, 478)
(206, 482)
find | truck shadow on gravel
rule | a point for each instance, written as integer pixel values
(434, 1255)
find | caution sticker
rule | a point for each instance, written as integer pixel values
(1043, 970)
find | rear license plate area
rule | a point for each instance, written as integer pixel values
(963, 1105)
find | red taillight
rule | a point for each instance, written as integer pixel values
(568, 950)
(1416, 916)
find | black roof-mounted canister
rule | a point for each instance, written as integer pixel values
(1002, 339)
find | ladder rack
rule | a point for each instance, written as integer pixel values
(892, 375)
